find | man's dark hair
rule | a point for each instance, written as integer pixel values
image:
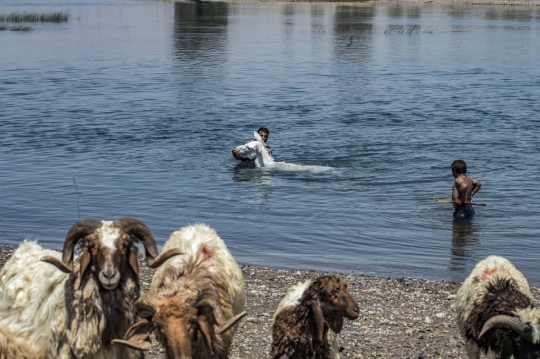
(459, 166)
(263, 129)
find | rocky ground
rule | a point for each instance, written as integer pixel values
(399, 317)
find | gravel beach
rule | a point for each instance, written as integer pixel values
(399, 317)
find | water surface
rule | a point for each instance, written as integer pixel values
(132, 109)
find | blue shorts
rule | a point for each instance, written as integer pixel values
(463, 211)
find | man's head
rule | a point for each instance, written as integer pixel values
(264, 133)
(459, 167)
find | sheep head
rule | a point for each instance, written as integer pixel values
(528, 344)
(331, 302)
(180, 319)
(106, 248)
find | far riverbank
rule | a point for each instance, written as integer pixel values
(516, 3)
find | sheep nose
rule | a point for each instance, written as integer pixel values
(109, 273)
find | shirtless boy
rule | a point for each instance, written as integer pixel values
(463, 189)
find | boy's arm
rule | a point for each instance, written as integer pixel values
(476, 184)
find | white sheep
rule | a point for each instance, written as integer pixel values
(75, 312)
(195, 300)
(309, 317)
(495, 314)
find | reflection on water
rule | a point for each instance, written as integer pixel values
(243, 173)
(465, 239)
(139, 120)
(258, 176)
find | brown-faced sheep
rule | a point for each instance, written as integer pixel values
(76, 312)
(306, 314)
(195, 300)
(495, 314)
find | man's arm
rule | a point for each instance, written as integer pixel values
(475, 186)
(247, 151)
(236, 155)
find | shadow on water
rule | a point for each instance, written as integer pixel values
(250, 173)
(465, 239)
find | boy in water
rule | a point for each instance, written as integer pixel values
(463, 189)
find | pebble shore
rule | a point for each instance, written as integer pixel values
(402, 318)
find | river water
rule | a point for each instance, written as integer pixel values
(132, 109)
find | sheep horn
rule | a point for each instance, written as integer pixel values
(137, 336)
(319, 319)
(229, 323)
(208, 297)
(163, 257)
(506, 321)
(146, 305)
(78, 231)
(138, 230)
(204, 327)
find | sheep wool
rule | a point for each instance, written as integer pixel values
(195, 299)
(309, 318)
(495, 313)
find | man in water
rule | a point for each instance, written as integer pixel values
(264, 133)
(463, 189)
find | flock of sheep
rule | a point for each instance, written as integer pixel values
(89, 305)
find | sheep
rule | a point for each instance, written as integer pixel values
(310, 316)
(195, 300)
(495, 314)
(75, 312)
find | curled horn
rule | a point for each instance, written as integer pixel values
(141, 232)
(78, 231)
(229, 323)
(509, 322)
(207, 296)
(146, 305)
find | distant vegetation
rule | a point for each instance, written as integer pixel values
(26, 17)
(18, 17)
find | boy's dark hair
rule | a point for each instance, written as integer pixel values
(459, 166)
(263, 129)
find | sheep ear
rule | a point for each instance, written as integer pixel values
(57, 263)
(336, 324)
(84, 261)
(229, 323)
(205, 328)
(132, 260)
(137, 336)
(319, 319)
